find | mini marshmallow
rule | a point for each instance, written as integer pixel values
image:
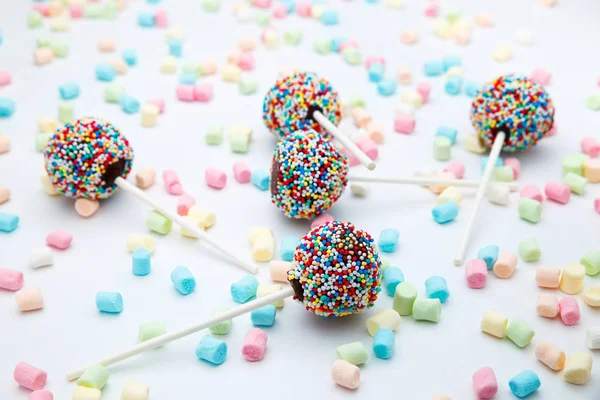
(43, 56)
(576, 183)
(591, 170)
(139, 240)
(476, 273)
(502, 54)
(264, 316)
(445, 212)
(278, 270)
(392, 277)
(425, 309)
(221, 328)
(540, 75)
(211, 350)
(506, 265)
(591, 296)
(141, 264)
(161, 18)
(215, 178)
(171, 181)
(569, 310)
(572, 278)
(287, 247)
(85, 393)
(386, 318)
(241, 172)
(489, 254)
(29, 299)
(547, 305)
(261, 178)
(183, 280)
(184, 203)
(532, 192)
(209, 67)
(436, 288)
(530, 210)
(409, 37)
(133, 390)
(442, 148)
(86, 207)
(354, 353)
(423, 90)
(345, 374)
(498, 194)
(388, 240)
(361, 117)
(106, 45)
(169, 66)
(95, 376)
(255, 344)
(29, 377)
(245, 289)
(413, 98)
(214, 134)
(593, 338)
(494, 324)
(160, 103)
(404, 298)
(578, 368)
(150, 330)
(203, 92)
(547, 277)
(375, 134)
(451, 193)
(404, 76)
(383, 343)
(149, 115)
(207, 217)
(231, 73)
(157, 222)
(11, 279)
(368, 147)
(519, 332)
(473, 144)
(8, 222)
(109, 302)
(264, 290)
(590, 146)
(485, 383)
(40, 395)
(196, 222)
(404, 123)
(550, 355)
(59, 240)
(263, 249)
(524, 384)
(186, 93)
(529, 250)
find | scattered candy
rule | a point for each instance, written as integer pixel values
(354, 353)
(388, 240)
(489, 254)
(158, 223)
(183, 280)
(29, 377)
(211, 350)
(261, 179)
(485, 383)
(150, 330)
(138, 240)
(476, 273)
(519, 332)
(404, 298)
(425, 309)
(264, 316)
(345, 374)
(530, 210)
(569, 310)
(571, 281)
(95, 376)
(494, 324)
(445, 212)
(215, 178)
(578, 368)
(141, 264)
(41, 395)
(109, 302)
(383, 343)
(547, 277)
(529, 250)
(134, 391)
(591, 262)
(255, 345)
(85, 393)
(593, 338)
(387, 319)
(245, 289)
(547, 305)
(524, 384)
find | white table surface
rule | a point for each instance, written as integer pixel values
(429, 358)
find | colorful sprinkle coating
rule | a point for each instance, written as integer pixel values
(308, 175)
(288, 106)
(336, 270)
(515, 105)
(82, 155)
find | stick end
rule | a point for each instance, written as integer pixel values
(371, 166)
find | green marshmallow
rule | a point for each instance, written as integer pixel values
(575, 182)
(530, 251)
(34, 19)
(150, 330)
(239, 143)
(214, 134)
(66, 112)
(110, 11)
(158, 223)
(92, 10)
(191, 68)
(211, 5)
(357, 101)
(453, 16)
(262, 18)
(222, 328)
(41, 140)
(591, 262)
(293, 37)
(593, 102)
(519, 332)
(503, 174)
(530, 210)
(404, 298)
(43, 41)
(354, 353)
(425, 309)
(248, 85)
(441, 148)
(385, 263)
(95, 377)
(322, 46)
(59, 48)
(574, 163)
(112, 92)
(352, 56)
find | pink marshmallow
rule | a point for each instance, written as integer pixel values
(424, 89)
(255, 345)
(457, 168)
(29, 376)
(369, 148)
(42, 8)
(11, 279)
(184, 203)
(246, 61)
(569, 310)
(431, 9)
(160, 103)
(541, 76)
(485, 383)
(476, 273)
(597, 205)
(76, 10)
(40, 395)
(59, 240)
(553, 131)
(515, 164)
(374, 59)
(404, 124)
(203, 92)
(320, 220)
(4, 78)
(185, 93)
(262, 3)
(172, 183)
(589, 145)
(348, 43)
(558, 192)
(303, 8)
(531, 191)
(352, 160)
(242, 172)
(279, 10)
(215, 178)
(161, 19)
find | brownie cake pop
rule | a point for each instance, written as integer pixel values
(335, 272)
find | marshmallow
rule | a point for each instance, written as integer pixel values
(29, 299)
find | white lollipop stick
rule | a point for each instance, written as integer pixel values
(344, 140)
(426, 181)
(485, 179)
(170, 337)
(128, 187)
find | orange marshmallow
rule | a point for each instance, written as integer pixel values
(547, 305)
(547, 277)
(505, 265)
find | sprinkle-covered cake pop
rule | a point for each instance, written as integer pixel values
(336, 270)
(289, 105)
(84, 158)
(308, 175)
(514, 104)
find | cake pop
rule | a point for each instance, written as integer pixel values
(304, 101)
(335, 272)
(510, 113)
(309, 174)
(90, 158)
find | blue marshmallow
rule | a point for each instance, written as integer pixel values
(264, 316)
(392, 277)
(447, 132)
(472, 88)
(184, 281)
(109, 302)
(7, 107)
(244, 289)
(524, 384)
(383, 343)
(489, 254)
(436, 288)
(130, 57)
(105, 72)
(211, 350)
(453, 85)
(261, 178)
(8, 222)
(445, 212)
(451, 61)
(141, 265)
(376, 72)
(387, 87)
(176, 48)
(433, 68)
(288, 247)
(69, 91)
(388, 240)
(484, 161)
(189, 78)
(330, 17)
(146, 19)
(153, 1)
(336, 43)
(290, 5)
(129, 104)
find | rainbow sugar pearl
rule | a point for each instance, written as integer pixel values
(519, 107)
(308, 175)
(336, 270)
(288, 106)
(84, 158)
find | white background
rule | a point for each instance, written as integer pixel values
(429, 358)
